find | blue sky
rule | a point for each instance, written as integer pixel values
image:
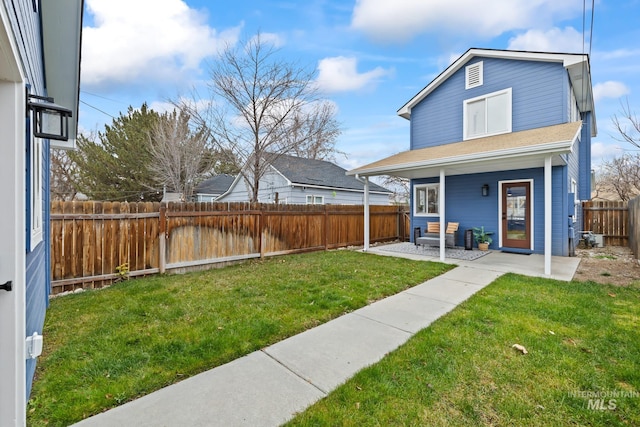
(371, 55)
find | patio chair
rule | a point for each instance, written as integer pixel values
(432, 235)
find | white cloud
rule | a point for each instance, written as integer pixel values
(269, 38)
(401, 20)
(340, 74)
(609, 89)
(568, 40)
(601, 152)
(146, 39)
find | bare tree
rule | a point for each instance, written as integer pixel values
(63, 173)
(399, 186)
(312, 133)
(181, 156)
(627, 124)
(620, 177)
(263, 107)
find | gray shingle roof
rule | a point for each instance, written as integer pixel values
(215, 185)
(319, 173)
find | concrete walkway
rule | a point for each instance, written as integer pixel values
(268, 387)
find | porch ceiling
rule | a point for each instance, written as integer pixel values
(516, 150)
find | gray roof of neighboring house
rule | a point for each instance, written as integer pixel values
(319, 173)
(215, 185)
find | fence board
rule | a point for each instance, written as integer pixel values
(89, 240)
(611, 219)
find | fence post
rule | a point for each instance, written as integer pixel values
(162, 240)
(261, 231)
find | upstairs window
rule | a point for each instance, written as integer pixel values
(473, 75)
(487, 115)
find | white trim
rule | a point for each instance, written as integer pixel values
(313, 199)
(555, 147)
(547, 215)
(12, 251)
(479, 69)
(35, 192)
(443, 227)
(576, 200)
(509, 114)
(567, 60)
(366, 214)
(531, 209)
(426, 186)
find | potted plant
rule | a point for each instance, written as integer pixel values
(482, 238)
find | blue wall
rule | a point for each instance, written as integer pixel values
(465, 204)
(539, 91)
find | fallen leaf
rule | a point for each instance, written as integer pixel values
(357, 405)
(612, 295)
(552, 333)
(520, 348)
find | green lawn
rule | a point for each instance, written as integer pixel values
(103, 348)
(583, 342)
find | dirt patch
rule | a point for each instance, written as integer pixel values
(612, 264)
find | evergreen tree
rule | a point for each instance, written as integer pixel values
(117, 164)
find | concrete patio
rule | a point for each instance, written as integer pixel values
(268, 387)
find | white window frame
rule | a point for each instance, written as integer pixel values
(574, 113)
(576, 200)
(507, 112)
(467, 71)
(315, 200)
(416, 198)
(35, 191)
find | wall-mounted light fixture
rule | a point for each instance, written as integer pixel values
(485, 190)
(51, 121)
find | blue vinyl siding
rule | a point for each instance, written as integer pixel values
(540, 91)
(25, 23)
(36, 299)
(465, 204)
(584, 181)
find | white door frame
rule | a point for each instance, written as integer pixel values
(12, 230)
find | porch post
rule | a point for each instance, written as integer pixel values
(442, 221)
(547, 216)
(366, 213)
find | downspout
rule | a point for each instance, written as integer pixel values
(365, 181)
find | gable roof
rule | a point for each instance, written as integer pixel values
(522, 149)
(320, 173)
(215, 185)
(577, 65)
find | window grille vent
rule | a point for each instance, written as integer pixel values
(473, 75)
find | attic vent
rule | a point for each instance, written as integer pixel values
(473, 75)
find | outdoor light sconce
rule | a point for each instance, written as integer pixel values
(51, 121)
(485, 190)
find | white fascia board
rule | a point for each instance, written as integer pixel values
(560, 147)
(62, 41)
(567, 60)
(351, 190)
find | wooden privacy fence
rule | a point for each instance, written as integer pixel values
(634, 226)
(91, 241)
(611, 219)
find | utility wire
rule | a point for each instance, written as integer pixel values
(97, 109)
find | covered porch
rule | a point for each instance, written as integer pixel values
(536, 149)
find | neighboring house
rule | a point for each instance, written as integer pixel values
(501, 139)
(294, 180)
(39, 55)
(210, 189)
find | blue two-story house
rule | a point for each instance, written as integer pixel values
(501, 139)
(39, 88)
